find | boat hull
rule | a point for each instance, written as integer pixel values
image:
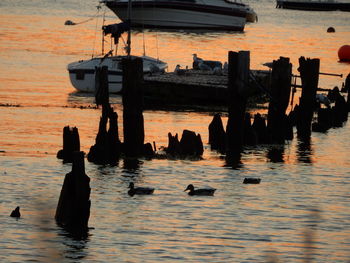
(180, 15)
(314, 6)
(82, 73)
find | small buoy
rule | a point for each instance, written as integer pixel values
(331, 30)
(69, 23)
(344, 53)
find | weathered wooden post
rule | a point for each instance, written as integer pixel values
(280, 91)
(71, 143)
(238, 73)
(134, 133)
(101, 86)
(249, 137)
(73, 209)
(217, 134)
(347, 88)
(107, 145)
(191, 144)
(309, 70)
(259, 126)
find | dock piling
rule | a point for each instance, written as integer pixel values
(238, 72)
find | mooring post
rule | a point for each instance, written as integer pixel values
(238, 72)
(133, 122)
(347, 88)
(73, 209)
(217, 134)
(107, 145)
(280, 91)
(71, 143)
(309, 71)
(101, 85)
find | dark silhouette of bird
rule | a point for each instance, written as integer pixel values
(16, 213)
(179, 71)
(139, 190)
(199, 191)
(251, 180)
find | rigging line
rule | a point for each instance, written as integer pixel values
(93, 45)
(71, 23)
(154, 15)
(143, 32)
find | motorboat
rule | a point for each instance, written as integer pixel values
(82, 72)
(185, 14)
(314, 5)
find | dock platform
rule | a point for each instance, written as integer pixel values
(193, 87)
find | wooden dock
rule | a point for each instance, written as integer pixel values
(194, 87)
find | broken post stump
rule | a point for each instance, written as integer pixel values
(249, 136)
(107, 147)
(280, 92)
(259, 126)
(73, 209)
(238, 72)
(132, 91)
(309, 71)
(190, 145)
(71, 143)
(217, 134)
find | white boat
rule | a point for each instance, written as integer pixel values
(185, 14)
(82, 72)
(314, 5)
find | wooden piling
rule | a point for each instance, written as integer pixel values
(107, 147)
(190, 145)
(238, 72)
(71, 143)
(259, 126)
(309, 70)
(347, 88)
(132, 91)
(73, 209)
(217, 134)
(280, 93)
(101, 85)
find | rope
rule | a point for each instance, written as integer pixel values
(71, 23)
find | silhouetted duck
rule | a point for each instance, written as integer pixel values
(139, 190)
(201, 191)
(15, 213)
(251, 180)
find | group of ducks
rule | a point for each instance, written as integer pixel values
(190, 188)
(215, 67)
(192, 191)
(148, 191)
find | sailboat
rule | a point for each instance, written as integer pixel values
(82, 72)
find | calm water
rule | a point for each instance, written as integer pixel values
(305, 196)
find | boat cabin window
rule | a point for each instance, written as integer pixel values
(80, 74)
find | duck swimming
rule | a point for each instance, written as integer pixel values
(200, 191)
(139, 190)
(251, 180)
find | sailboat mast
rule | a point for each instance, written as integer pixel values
(128, 42)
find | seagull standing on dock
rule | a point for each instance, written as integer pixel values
(179, 71)
(203, 66)
(196, 61)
